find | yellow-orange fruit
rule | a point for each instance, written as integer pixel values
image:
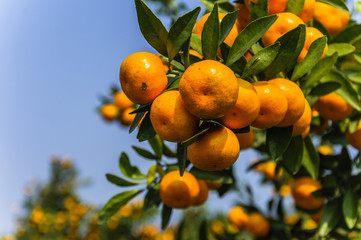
(302, 190)
(274, 105)
(213, 185)
(209, 89)
(295, 99)
(331, 18)
(203, 193)
(333, 107)
(178, 191)
(246, 109)
(304, 122)
(324, 123)
(308, 10)
(243, 17)
(122, 101)
(285, 22)
(311, 35)
(126, 118)
(246, 139)
(269, 170)
(170, 119)
(238, 217)
(142, 77)
(109, 111)
(257, 225)
(216, 149)
(355, 138)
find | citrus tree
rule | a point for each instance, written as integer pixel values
(281, 77)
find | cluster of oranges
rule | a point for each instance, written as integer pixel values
(120, 109)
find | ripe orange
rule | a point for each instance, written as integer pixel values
(308, 10)
(109, 111)
(178, 191)
(295, 99)
(274, 105)
(195, 53)
(355, 138)
(198, 28)
(269, 170)
(246, 139)
(331, 18)
(246, 109)
(302, 125)
(311, 35)
(243, 18)
(274, 6)
(203, 193)
(126, 118)
(213, 185)
(238, 217)
(142, 77)
(333, 107)
(325, 150)
(324, 123)
(122, 101)
(209, 89)
(257, 225)
(317, 216)
(301, 191)
(216, 149)
(170, 119)
(285, 22)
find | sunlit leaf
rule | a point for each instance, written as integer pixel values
(128, 170)
(211, 35)
(342, 49)
(119, 181)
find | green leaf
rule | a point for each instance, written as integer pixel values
(346, 91)
(339, 4)
(215, 176)
(324, 88)
(224, 5)
(258, 9)
(115, 203)
(310, 158)
(291, 46)
(357, 56)
(146, 130)
(323, 67)
(128, 170)
(358, 6)
(151, 199)
(227, 24)
(277, 140)
(261, 60)
(144, 153)
(182, 158)
(342, 49)
(201, 130)
(349, 208)
(157, 145)
(203, 230)
(180, 32)
(292, 157)
(119, 181)
(211, 35)
(350, 34)
(141, 108)
(295, 6)
(250, 35)
(313, 55)
(151, 27)
(136, 121)
(329, 218)
(196, 43)
(355, 77)
(152, 172)
(166, 214)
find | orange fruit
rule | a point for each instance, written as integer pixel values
(325, 150)
(333, 107)
(331, 18)
(238, 217)
(195, 53)
(308, 10)
(203, 193)
(216, 149)
(246, 140)
(285, 22)
(295, 99)
(317, 216)
(213, 185)
(209, 89)
(178, 191)
(243, 18)
(311, 35)
(126, 118)
(269, 170)
(122, 101)
(257, 225)
(142, 77)
(291, 219)
(198, 28)
(301, 191)
(303, 123)
(170, 119)
(246, 109)
(274, 105)
(355, 138)
(324, 123)
(109, 111)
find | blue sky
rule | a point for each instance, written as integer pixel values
(56, 58)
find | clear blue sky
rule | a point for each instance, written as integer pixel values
(56, 57)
